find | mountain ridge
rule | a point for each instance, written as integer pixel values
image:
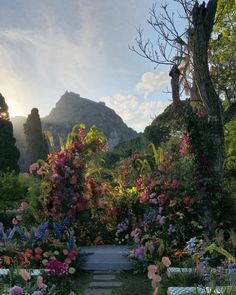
(71, 109)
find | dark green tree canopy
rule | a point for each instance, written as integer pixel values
(3, 108)
(9, 153)
(37, 147)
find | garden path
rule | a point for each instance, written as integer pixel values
(106, 258)
(105, 261)
(103, 283)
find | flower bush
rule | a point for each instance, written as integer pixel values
(155, 204)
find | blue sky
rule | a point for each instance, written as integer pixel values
(50, 46)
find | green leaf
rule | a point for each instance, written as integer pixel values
(220, 251)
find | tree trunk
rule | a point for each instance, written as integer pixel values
(174, 74)
(203, 20)
(195, 99)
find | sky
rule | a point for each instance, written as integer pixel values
(48, 47)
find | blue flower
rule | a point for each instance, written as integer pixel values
(10, 233)
(21, 232)
(191, 244)
(58, 230)
(232, 265)
(71, 241)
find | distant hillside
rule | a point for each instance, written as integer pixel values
(72, 109)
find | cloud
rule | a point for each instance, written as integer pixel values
(135, 113)
(152, 81)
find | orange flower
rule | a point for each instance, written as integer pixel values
(7, 260)
(27, 256)
(196, 259)
(180, 253)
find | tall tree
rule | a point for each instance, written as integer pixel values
(37, 147)
(222, 54)
(9, 153)
(188, 51)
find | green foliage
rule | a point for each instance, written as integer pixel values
(13, 189)
(37, 147)
(230, 141)
(220, 251)
(157, 134)
(3, 108)
(9, 153)
(125, 150)
(222, 50)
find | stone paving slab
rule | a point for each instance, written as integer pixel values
(115, 249)
(181, 269)
(105, 285)
(104, 277)
(185, 290)
(104, 272)
(108, 266)
(98, 292)
(108, 257)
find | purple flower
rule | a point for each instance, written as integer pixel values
(16, 290)
(171, 229)
(138, 253)
(162, 220)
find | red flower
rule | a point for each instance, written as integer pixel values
(200, 114)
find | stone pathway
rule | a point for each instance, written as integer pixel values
(103, 283)
(106, 257)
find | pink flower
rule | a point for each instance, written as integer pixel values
(161, 200)
(38, 257)
(144, 196)
(33, 167)
(182, 150)
(38, 250)
(68, 261)
(200, 114)
(100, 203)
(40, 171)
(166, 261)
(25, 275)
(152, 269)
(14, 221)
(73, 179)
(174, 183)
(135, 232)
(56, 268)
(40, 282)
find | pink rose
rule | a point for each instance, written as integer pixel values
(166, 261)
(152, 269)
(14, 221)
